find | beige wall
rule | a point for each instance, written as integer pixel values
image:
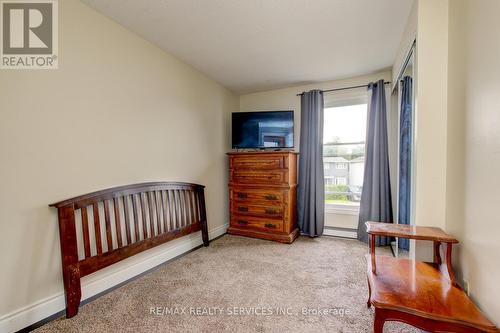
(473, 154)
(117, 111)
(431, 106)
(286, 99)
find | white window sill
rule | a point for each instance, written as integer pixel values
(341, 209)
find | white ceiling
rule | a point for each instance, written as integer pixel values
(253, 45)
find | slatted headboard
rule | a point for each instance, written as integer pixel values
(101, 228)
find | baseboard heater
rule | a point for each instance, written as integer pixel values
(340, 232)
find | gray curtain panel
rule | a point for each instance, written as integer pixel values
(311, 189)
(376, 204)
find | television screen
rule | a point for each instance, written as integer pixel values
(269, 129)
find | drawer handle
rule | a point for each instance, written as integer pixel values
(242, 195)
(270, 226)
(271, 211)
(271, 197)
(242, 222)
(243, 209)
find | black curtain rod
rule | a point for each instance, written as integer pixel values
(345, 88)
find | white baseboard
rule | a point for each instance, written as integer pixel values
(49, 306)
(340, 232)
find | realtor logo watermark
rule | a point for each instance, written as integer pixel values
(247, 311)
(29, 34)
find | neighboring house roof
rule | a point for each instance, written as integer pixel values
(334, 160)
(360, 159)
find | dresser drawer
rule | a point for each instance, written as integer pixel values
(272, 212)
(259, 196)
(258, 162)
(270, 177)
(256, 223)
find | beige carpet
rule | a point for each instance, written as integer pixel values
(249, 285)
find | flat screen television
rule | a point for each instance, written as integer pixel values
(263, 129)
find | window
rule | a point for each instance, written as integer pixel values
(344, 146)
(341, 166)
(340, 181)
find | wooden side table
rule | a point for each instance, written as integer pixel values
(424, 295)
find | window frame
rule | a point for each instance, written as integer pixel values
(345, 98)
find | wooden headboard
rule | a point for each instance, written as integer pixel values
(101, 228)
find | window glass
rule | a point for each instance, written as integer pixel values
(344, 153)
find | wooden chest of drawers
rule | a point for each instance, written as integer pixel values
(262, 195)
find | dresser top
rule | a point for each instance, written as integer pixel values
(259, 152)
